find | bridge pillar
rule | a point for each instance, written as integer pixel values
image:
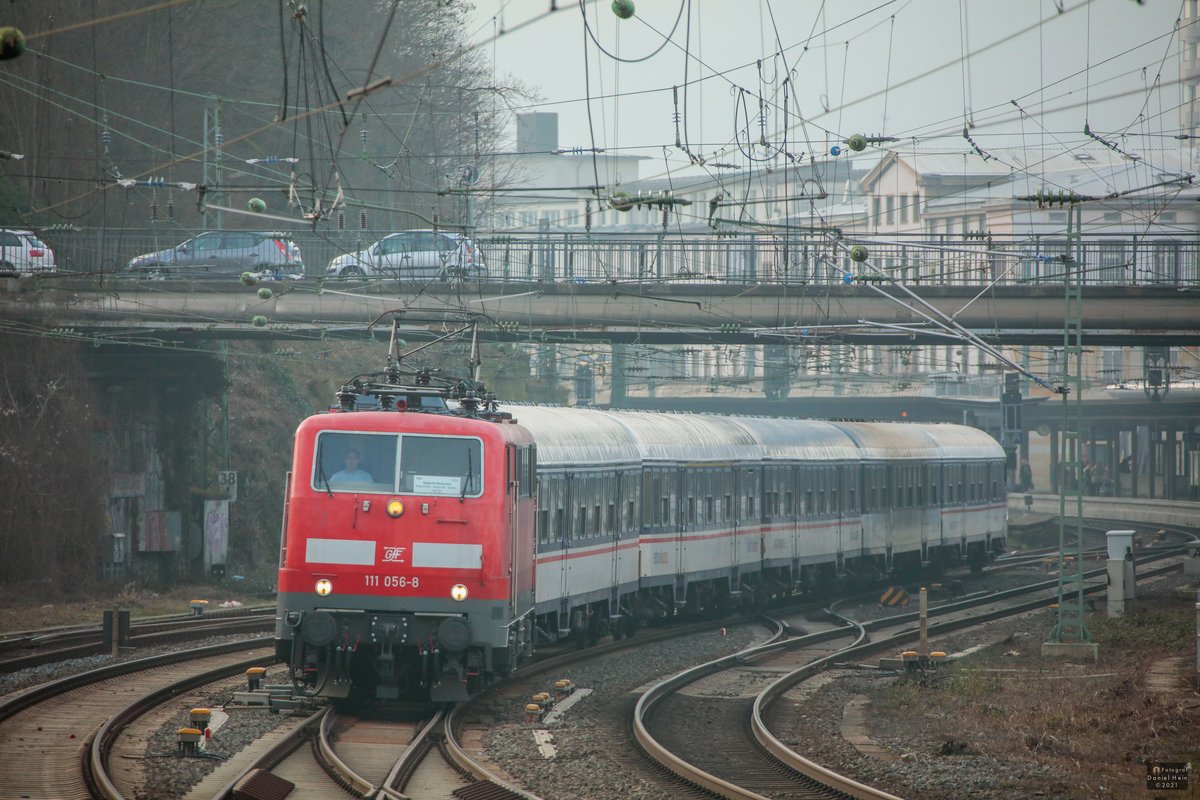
(620, 360)
(777, 371)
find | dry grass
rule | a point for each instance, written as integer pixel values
(1097, 723)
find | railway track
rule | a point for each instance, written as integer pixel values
(401, 758)
(54, 738)
(27, 649)
(710, 725)
(333, 753)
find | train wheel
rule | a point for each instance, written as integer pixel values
(580, 635)
(597, 630)
(976, 557)
(628, 625)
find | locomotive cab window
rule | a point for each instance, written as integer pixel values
(355, 462)
(450, 466)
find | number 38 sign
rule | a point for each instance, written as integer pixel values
(227, 483)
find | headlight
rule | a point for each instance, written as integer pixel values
(324, 587)
(458, 592)
(395, 507)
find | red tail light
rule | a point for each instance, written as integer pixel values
(35, 253)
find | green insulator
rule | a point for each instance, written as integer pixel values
(249, 278)
(857, 143)
(256, 204)
(265, 294)
(258, 321)
(12, 41)
(623, 8)
(859, 253)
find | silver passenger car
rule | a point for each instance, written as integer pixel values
(642, 513)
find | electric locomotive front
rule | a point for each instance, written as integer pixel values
(404, 538)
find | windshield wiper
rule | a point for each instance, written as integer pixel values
(470, 474)
(321, 475)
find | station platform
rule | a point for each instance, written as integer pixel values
(1181, 513)
(1023, 521)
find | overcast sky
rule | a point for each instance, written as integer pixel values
(857, 66)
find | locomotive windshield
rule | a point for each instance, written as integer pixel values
(441, 465)
(355, 462)
(449, 466)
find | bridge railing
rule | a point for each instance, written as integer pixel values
(1109, 260)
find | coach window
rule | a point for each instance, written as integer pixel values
(355, 462)
(691, 510)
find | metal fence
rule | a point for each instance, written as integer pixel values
(1111, 260)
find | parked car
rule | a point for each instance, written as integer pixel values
(21, 252)
(434, 255)
(222, 253)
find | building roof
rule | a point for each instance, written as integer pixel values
(1024, 161)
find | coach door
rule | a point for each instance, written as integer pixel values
(567, 521)
(673, 513)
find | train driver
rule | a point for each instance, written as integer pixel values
(351, 473)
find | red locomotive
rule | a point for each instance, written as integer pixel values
(403, 533)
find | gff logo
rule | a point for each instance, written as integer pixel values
(393, 554)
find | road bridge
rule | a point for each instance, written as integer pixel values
(630, 312)
(657, 288)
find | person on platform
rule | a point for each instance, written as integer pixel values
(1026, 480)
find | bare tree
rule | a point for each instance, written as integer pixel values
(141, 97)
(54, 480)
